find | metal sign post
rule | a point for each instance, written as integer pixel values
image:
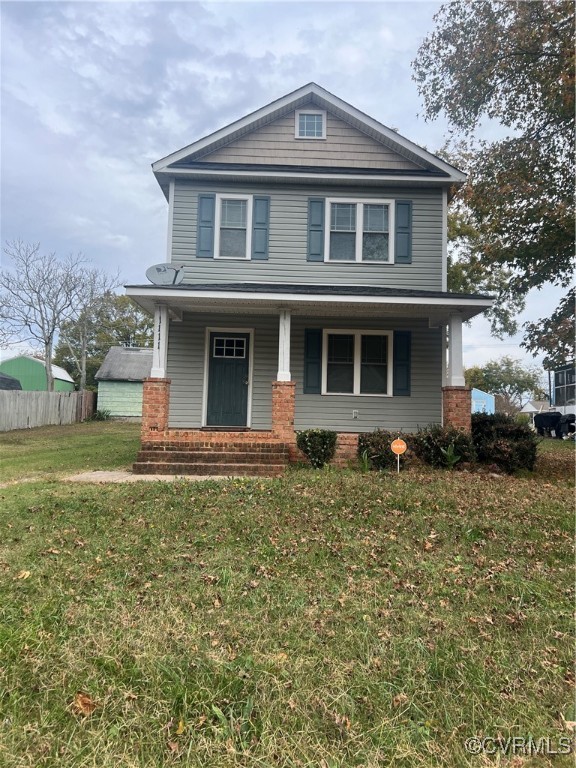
(398, 447)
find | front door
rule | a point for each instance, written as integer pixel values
(228, 379)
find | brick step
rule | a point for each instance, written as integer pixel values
(220, 447)
(201, 469)
(214, 457)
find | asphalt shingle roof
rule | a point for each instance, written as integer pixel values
(125, 364)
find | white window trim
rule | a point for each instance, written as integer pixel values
(207, 351)
(357, 360)
(359, 203)
(217, 221)
(299, 112)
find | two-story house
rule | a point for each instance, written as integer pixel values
(313, 290)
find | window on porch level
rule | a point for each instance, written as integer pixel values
(357, 363)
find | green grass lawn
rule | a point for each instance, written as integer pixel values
(323, 619)
(50, 452)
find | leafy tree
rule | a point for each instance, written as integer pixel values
(113, 321)
(37, 295)
(77, 332)
(508, 378)
(512, 63)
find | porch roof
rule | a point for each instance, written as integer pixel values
(309, 300)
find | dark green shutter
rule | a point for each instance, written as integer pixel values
(402, 360)
(312, 361)
(316, 229)
(205, 234)
(260, 227)
(403, 250)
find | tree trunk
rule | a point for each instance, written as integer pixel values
(48, 366)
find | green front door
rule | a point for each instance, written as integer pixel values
(228, 379)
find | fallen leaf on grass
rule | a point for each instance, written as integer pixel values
(24, 575)
(399, 699)
(180, 729)
(83, 704)
(569, 725)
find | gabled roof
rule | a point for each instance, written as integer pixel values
(318, 96)
(535, 406)
(57, 372)
(125, 364)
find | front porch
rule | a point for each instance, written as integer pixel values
(181, 434)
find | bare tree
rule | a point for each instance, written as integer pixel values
(77, 333)
(37, 295)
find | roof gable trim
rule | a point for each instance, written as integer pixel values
(315, 94)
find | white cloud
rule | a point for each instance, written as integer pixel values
(94, 92)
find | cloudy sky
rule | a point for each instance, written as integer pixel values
(93, 93)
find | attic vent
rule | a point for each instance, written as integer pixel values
(310, 124)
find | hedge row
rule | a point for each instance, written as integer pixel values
(495, 439)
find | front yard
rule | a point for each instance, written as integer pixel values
(323, 619)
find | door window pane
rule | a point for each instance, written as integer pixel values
(229, 347)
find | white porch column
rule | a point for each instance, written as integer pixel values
(160, 351)
(455, 358)
(284, 347)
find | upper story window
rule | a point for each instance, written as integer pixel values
(359, 230)
(232, 226)
(310, 124)
(233, 229)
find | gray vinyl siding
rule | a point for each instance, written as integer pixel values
(121, 398)
(287, 262)
(344, 146)
(424, 405)
(186, 350)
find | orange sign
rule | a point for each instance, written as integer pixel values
(398, 447)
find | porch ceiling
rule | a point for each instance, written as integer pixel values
(325, 301)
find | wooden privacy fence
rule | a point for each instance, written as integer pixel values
(19, 410)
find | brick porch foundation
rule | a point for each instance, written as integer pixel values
(257, 450)
(155, 411)
(166, 450)
(457, 407)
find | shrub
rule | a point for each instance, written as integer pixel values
(318, 445)
(523, 418)
(501, 440)
(443, 446)
(375, 448)
(103, 414)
